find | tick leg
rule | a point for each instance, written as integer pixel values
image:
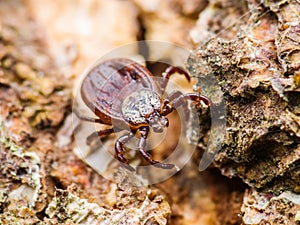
(120, 150)
(169, 72)
(142, 144)
(175, 95)
(98, 134)
(190, 96)
(181, 100)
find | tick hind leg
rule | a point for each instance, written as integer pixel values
(142, 144)
(169, 72)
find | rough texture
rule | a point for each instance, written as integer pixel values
(263, 208)
(256, 62)
(220, 18)
(256, 65)
(37, 167)
(262, 137)
(68, 208)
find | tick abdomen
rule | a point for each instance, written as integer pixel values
(107, 85)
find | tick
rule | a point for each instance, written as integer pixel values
(139, 108)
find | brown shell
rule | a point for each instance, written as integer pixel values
(108, 83)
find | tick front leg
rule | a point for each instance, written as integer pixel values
(119, 148)
(175, 95)
(192, 96)
(142, 144)
(169, 72)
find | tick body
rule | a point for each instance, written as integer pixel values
(125, 96)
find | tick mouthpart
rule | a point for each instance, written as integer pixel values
(158, 123)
